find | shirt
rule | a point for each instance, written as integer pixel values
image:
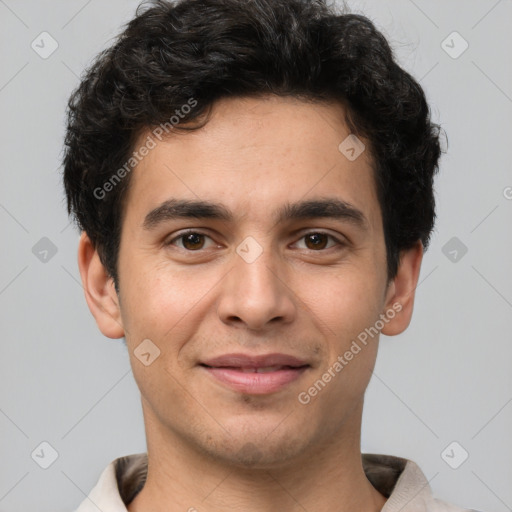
(400, 480)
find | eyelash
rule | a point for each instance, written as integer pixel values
(181, 236)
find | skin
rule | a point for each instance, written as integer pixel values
(210, 447)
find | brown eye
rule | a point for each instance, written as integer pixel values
(316, 240)
(193, 241)
(190, 241)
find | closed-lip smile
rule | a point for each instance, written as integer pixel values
(255, 374)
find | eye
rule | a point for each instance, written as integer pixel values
(317, 241)
(190, 241)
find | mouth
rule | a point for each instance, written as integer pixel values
(256, 375)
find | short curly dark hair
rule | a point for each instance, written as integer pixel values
(171, 52)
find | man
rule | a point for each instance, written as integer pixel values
(253, 182)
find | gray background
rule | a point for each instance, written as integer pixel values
(447, 378)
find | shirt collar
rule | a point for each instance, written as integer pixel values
(400, 480)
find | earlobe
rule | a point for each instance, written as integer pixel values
(99, 289)
(401, 291)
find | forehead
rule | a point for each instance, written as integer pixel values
(255, 154)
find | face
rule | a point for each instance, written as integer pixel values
(252, 296)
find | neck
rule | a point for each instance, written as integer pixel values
(326, 478)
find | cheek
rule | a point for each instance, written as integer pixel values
(163, 304)
(344, 302)
(160, 310)
(346, 314)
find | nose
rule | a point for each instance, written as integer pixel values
(256, 295)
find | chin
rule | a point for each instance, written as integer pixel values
(257, 450)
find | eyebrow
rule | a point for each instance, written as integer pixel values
(173, 209)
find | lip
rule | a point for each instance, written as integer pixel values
(256, 375)
(254, 361)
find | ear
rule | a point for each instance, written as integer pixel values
(401, 291)
(99, 289)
